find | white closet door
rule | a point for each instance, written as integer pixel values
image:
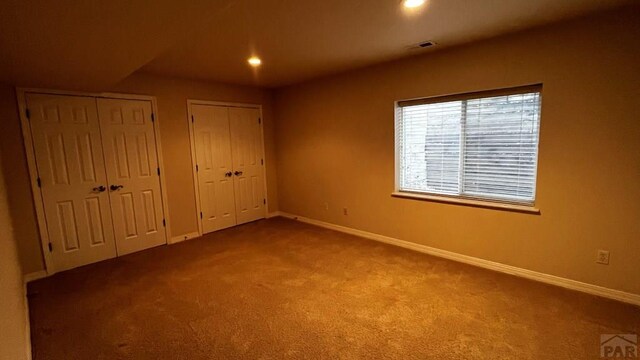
(246, 145)
(68, 149)
(214, 167)
(132, 169)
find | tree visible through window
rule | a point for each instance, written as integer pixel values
(482, 145)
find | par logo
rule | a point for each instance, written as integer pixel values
(619, 346)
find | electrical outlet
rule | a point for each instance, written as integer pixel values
(345, 211)
(603, 257)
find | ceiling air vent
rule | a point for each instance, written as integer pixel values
(422, 45)
(426, 44)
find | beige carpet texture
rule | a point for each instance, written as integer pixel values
(280, 289)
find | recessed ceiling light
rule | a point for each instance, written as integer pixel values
(254, 61)
(413, 3)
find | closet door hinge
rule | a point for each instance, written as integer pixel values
(192, 119)
(50, 247)
(158, 171)
(197, 168)
(262, 161)
(164, 222)
(153, 117)
(259, 120)
(27, 113)
(200, 214)
(39, 182)
(264, 201)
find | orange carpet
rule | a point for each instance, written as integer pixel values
(278, 289)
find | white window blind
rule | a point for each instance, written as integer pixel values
(481, 146)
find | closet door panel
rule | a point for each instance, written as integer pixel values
(246, 145)
(69, 157)
(133, 173)
(214, 167)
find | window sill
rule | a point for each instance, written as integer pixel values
(468, 202)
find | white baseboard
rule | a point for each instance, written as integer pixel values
(508, 269)
(183, 237)
(36, 275)
(273, 214)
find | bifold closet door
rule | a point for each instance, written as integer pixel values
(70, 162)
(214, 167)
(133, 173)
(246, 145)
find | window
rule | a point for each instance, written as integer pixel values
(478, 146)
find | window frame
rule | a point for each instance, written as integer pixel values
(475, 201)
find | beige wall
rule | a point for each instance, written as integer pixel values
(172, 95)
(14, 340)
(335, 145)
(335, 140)
(14, 158)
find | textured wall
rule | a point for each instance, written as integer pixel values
(14, 158)
(335, 142)
(172, 95)
(14, 342)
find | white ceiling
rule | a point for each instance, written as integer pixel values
(90, 45)
(94, 44)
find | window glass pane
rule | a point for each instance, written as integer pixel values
(480, 148)
(501, 140)
(430, 158)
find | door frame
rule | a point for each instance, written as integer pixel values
(192, 142)
(21, 94)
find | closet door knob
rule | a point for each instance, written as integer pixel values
(228, 174)
(238, 173)
(100, 188)
(116, 187)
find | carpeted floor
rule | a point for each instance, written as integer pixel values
(281, 289)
